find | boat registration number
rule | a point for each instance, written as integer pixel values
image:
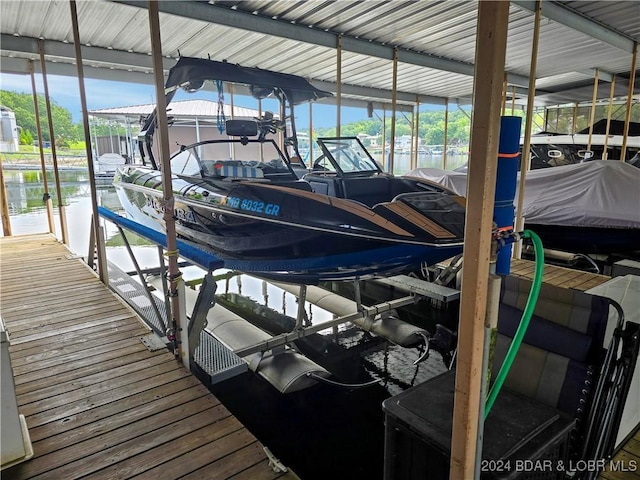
(252, 205)
(179, 213)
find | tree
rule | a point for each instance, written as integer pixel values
(22, 105)
(26, 138)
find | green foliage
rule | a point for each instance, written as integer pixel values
(81, 145)
(561, 119)
(430, 128)
(26, 138)
(103, 127)
(430, 123)
(22, 105)
(132, 238)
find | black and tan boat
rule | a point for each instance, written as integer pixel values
(261, 212)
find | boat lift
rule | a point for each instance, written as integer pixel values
(258, 350)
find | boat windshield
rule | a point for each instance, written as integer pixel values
(231, 158)
(345, 155)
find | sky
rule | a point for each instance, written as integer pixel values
(64, 91)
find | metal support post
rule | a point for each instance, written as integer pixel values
(205, 301)
(301, 311)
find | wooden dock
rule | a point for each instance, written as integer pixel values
(98, 404)
(559, 276)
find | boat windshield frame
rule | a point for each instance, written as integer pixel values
(191, 74)
(206, 166)
(354, 159)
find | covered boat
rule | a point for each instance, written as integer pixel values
(552, 149)
(262, 210)
(591, 207)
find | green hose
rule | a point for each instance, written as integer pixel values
(524, 322)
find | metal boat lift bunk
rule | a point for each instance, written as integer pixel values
(221, 353)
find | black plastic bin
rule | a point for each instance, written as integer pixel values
(523, 439)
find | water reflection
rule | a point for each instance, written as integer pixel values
(25, 188)
(27, 210)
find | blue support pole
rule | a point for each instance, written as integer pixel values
(506, 181)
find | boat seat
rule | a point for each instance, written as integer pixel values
(232, 169)
(367, 190)
(325, 184)
(237, 171)
(562, 350)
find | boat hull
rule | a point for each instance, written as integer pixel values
(588, 240)
(280, 231)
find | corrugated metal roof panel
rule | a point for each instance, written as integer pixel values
(621, 16)
(441, 28)
(180, 108)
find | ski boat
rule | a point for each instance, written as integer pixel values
(549, 149)
(263, 211)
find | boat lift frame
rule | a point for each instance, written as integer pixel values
(209, 262)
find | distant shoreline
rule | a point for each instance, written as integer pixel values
(48, 166)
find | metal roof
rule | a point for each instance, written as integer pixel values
(435, 42)
(188, 109)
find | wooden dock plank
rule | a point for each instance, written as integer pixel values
(77, 338)
(91, 455)
(51, 408)
(251, 455)
(625, 464)
(69, 316)
(120, 450)
(559, 276)
(40, 359)
(47, 285)
(259, 472)
(632, 447)
(68, 311)
(122, 406)
(193, 451)
(76, 378)
(38, 306)
(96, 401)
(77, 359)
(197, 455)
(81, 324)
(112, 422)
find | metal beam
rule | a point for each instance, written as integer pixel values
(579, 92)
(378, 93)
(90, 55)
(577, 21)
(602, 75)
(378, 104)
(123, 72)
(278, 28)
(20, 66)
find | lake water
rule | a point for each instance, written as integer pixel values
(324, 432)
(402, 161)
(28, 215)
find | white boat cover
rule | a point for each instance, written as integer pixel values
(600, 193)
